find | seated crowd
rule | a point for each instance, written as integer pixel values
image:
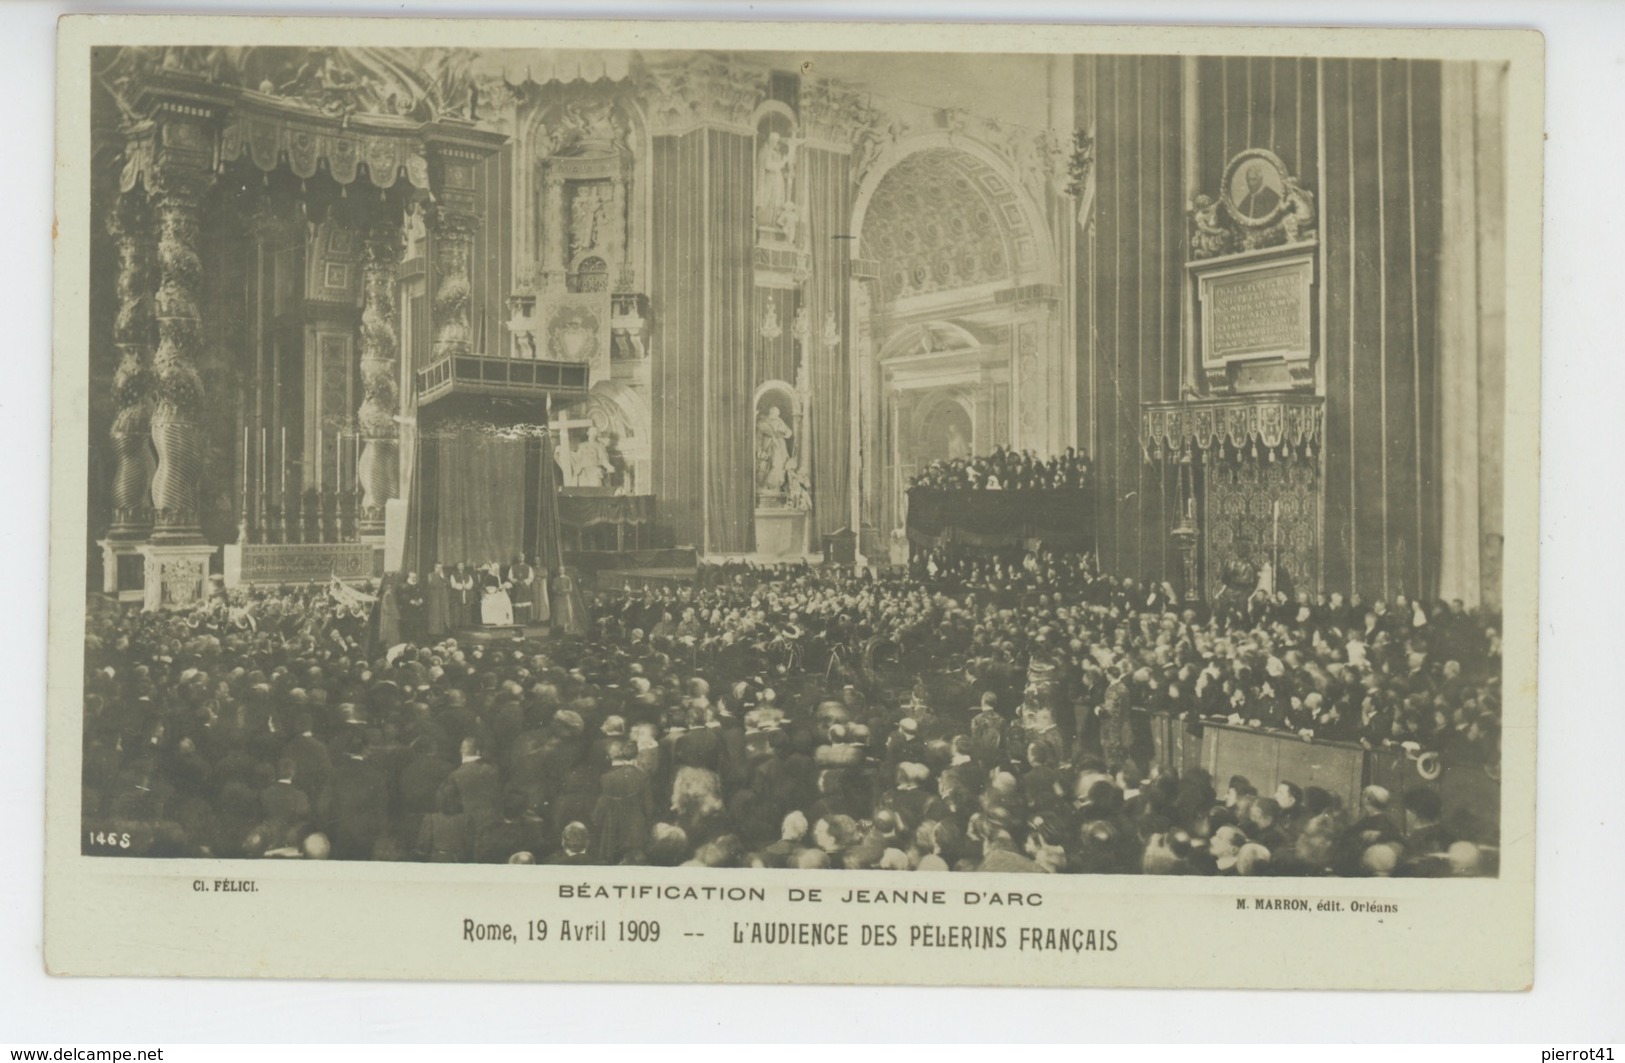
(1006, 470)
(988, 714)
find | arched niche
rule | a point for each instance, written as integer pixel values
(943, 426)
(777, 419)
(779, 476)
(775, 203)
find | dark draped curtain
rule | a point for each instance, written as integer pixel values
(829, 213)
(730, 419)
(549, 553)
(992, 519)
(479, 494)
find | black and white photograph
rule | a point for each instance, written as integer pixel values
(633, 467)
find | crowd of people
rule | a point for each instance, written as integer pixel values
(1006, 470)
(973, 714)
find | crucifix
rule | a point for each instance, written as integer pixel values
(564, 450)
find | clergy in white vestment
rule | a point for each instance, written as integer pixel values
(496, 608)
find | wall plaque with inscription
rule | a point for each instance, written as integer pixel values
(307, 562)
(1257, 308)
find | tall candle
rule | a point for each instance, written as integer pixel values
(284, 466)
(245, 468)
(1275, 524)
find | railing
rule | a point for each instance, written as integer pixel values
(479, 374)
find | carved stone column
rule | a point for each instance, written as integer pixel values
(621, 272)
(128, 225)
(453, 246)
(177, 433)
(378, 468)
(554, 264)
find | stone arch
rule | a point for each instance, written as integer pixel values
(1032, 252)
(778, 107)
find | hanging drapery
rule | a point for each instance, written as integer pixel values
(479, 494)
(829, 213)
(730, 421)
(549, 554)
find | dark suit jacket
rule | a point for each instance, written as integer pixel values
(311, 764)
(285, 805)
(699, 747)
(480, 787)
(358, 808)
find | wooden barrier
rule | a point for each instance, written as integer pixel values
(1173, 744)
(1268, 758)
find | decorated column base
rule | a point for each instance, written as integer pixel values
(781, 533)
(121, 578)
(1186, 538)
(177, 576)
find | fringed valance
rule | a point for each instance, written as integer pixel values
(1246, 424)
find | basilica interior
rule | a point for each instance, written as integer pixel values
(694, 306)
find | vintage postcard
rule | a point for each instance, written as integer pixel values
(717, 502)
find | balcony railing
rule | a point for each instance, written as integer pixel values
(471, 374)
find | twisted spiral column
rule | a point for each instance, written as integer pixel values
(177, 434)
(453, 244)
(378, 468)
(128, 225)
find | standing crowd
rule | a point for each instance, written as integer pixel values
(1006, 470)
(989, 713)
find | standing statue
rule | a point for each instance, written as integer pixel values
(586, 212)
(775, 177)
(772, 452)
(958, 447)
(591, 461)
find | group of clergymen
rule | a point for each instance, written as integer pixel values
(416, 611)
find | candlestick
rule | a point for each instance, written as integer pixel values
(260, 485)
